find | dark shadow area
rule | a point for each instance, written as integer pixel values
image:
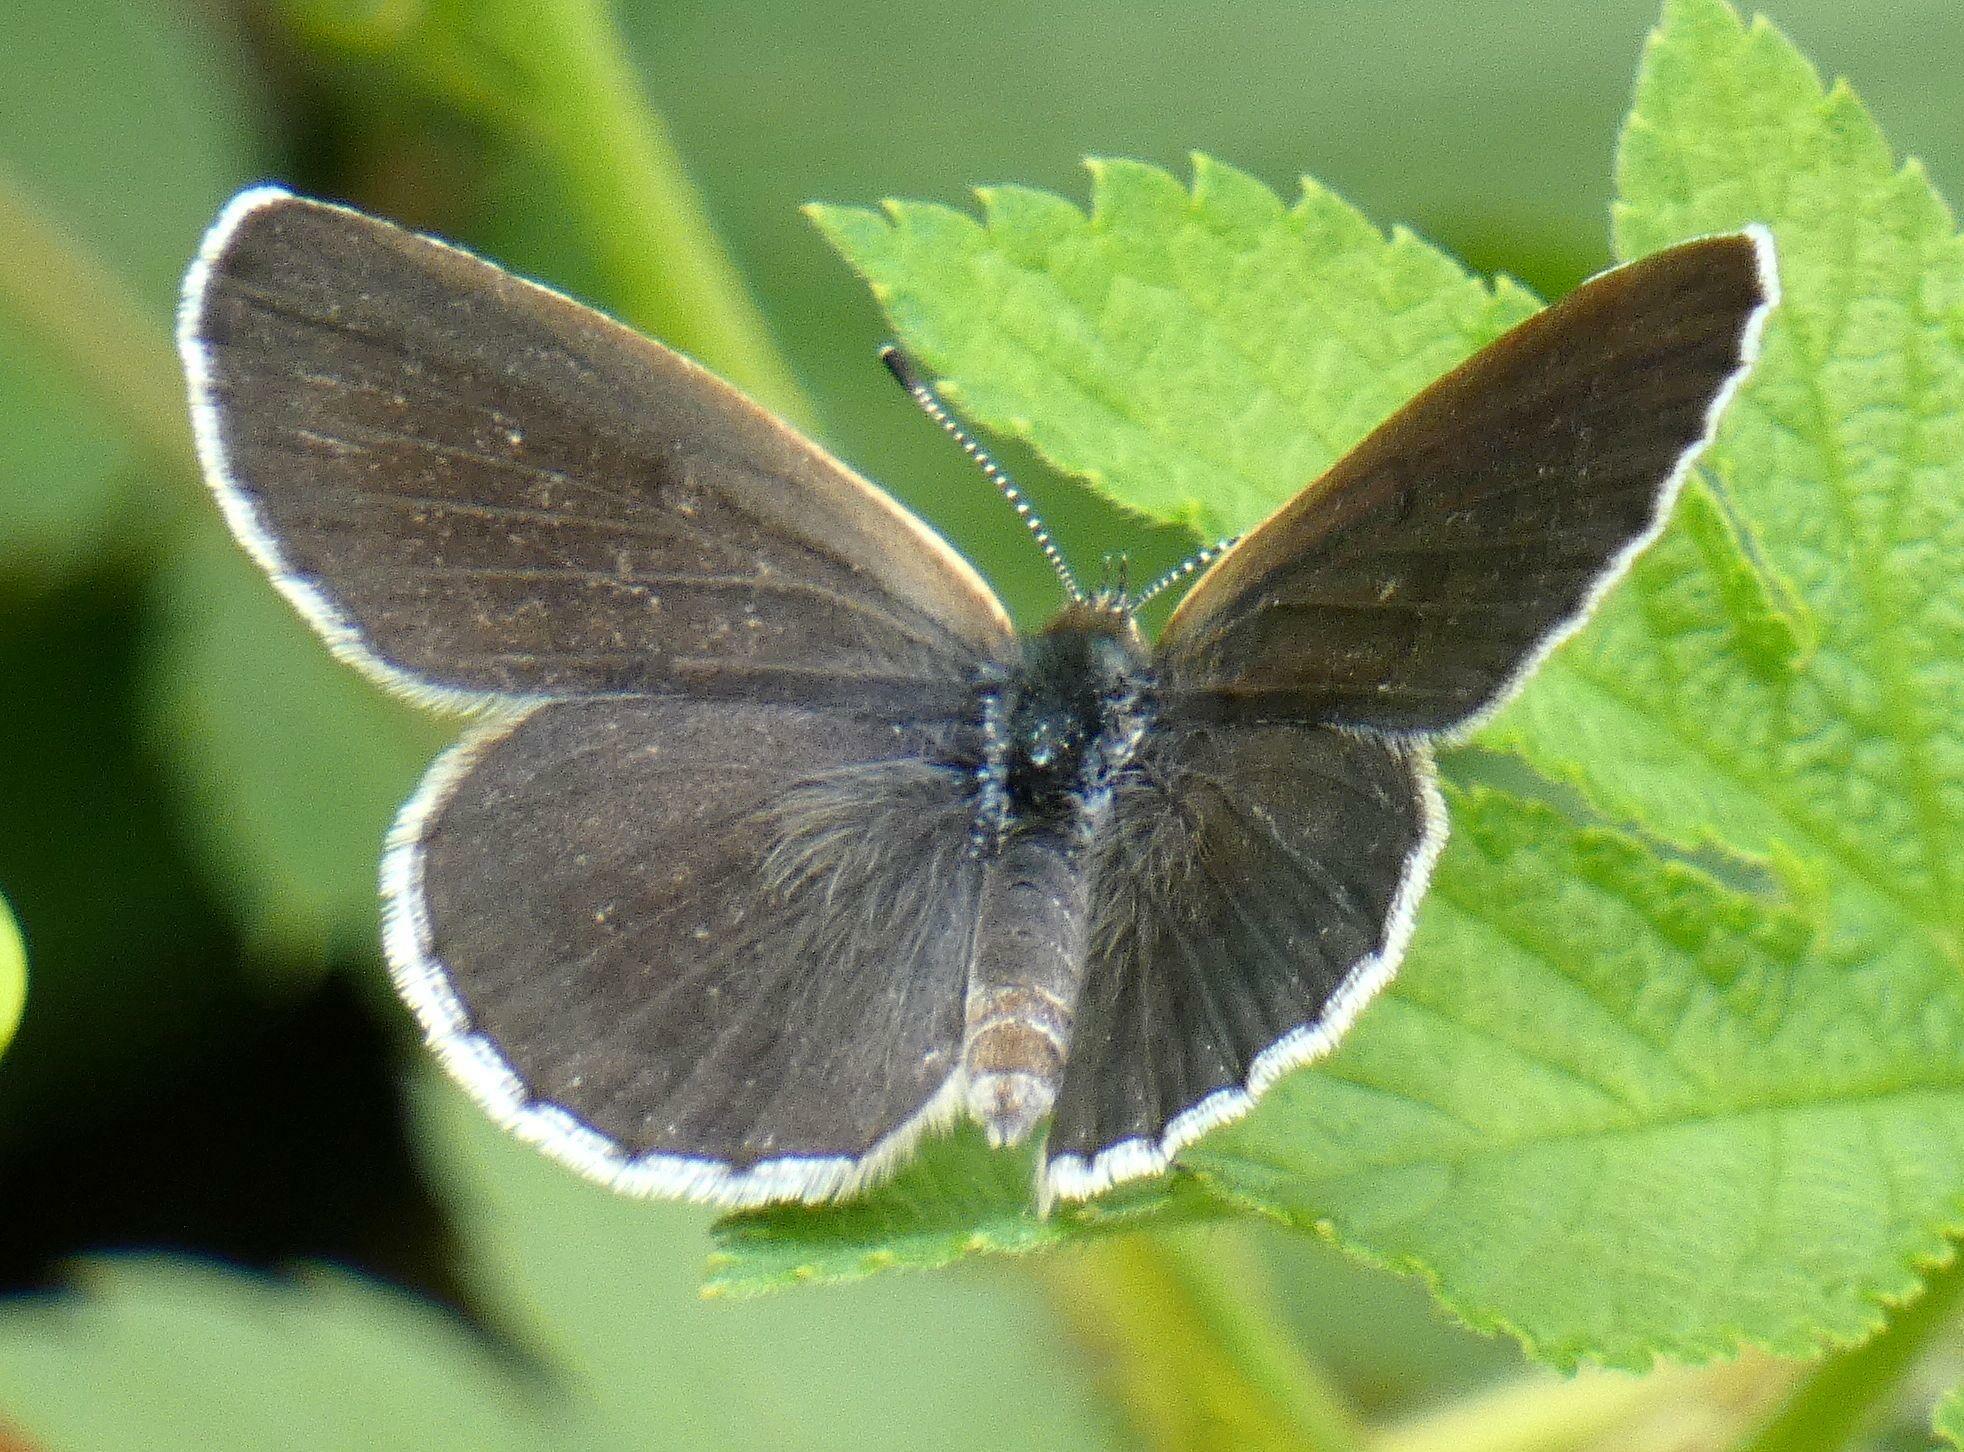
(167, 1092)
(287, 1144)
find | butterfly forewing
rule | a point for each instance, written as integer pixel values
(473, 484)
(1410, 589)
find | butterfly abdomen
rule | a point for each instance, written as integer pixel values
(1023, 983)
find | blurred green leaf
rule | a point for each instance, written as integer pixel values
(1852, 1390)
(97, 218)
(1948, 1421)
(62, 483)
(160, 1356)
(553, 77)
(1385, 1337)
(292, 764)
(604, 1287)
(1183, 1330)
(13, 974)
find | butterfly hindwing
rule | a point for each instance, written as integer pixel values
(472, 485)
(1256, 886)
(711, 949)
(1413, 586)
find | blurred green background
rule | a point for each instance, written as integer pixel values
(191, 796)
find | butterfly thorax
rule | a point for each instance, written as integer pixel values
(1069, 719)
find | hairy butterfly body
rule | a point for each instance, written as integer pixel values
(776, 846)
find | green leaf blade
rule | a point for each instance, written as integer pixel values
(955, 1200)
(153, 1353)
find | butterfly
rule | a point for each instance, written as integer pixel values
(775, 845)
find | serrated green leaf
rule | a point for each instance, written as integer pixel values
(160, 1355)
(13, 974)
(292, 764)
(1199, 354)
(956, 1198)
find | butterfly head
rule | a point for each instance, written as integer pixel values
(1075, 713)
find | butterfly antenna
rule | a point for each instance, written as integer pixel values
(902, 368)
(1198, 560)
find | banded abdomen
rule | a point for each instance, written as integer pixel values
(1024, 981)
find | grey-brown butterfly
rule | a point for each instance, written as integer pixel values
(775, 845)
